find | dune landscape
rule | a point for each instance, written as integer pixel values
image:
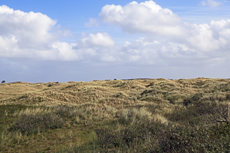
(114, 76)
(136, 115)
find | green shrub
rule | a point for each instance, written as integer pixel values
(139, 132)
(31, 123)
(174, 140)
(192, 115)
(188, 139)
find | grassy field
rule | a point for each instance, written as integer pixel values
(143, 115)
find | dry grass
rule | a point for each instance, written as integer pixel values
(86, 106)
(113, 92)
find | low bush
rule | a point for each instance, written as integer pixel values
(174, 140)
(188, 139)
(28, 124)
(131, 136)
(198, 113)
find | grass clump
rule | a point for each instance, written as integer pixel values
(129, 116)
(66, 111)
(107, 138)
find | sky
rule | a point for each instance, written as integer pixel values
(56, 40)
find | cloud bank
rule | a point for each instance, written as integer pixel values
(204, 42)
(166, 39)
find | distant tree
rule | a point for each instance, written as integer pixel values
(3, 81)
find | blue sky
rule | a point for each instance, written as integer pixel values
(54, 40)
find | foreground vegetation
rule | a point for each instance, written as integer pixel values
(149, 115)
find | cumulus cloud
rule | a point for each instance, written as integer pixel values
(26, 27)
(21, 31)
(23, 34)
(35, 35)
(97, 40)
(149, 18)
(210, 3)
(209, 37)
(146, 17)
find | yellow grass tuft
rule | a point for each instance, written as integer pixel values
(160, 118)
(29, 111)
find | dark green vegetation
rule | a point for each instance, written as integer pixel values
(116, 116)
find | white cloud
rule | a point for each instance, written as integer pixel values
(201, 38)
(31, 29)
(142, 51)
(146, 17)
(65, 51)
(210, 37)
(225, 33)
(210, 3)
(97, 40)
(34, 35)
(21, 31)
